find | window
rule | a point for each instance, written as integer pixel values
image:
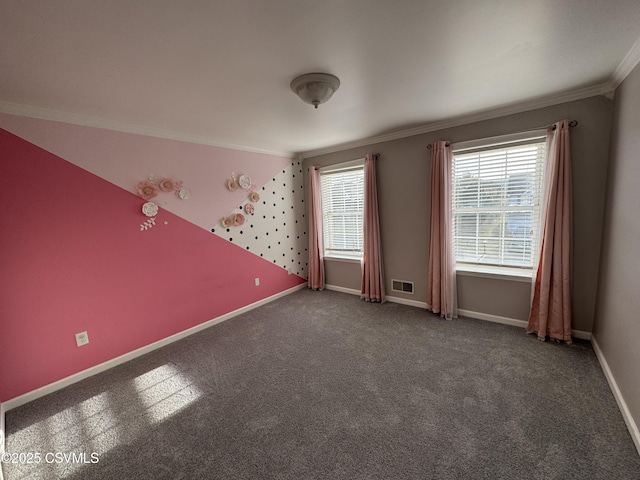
(343, 209)
(497, 186)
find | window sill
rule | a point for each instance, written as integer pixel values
(502, 273)
(336, 258)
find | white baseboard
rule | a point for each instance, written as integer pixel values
(351, 291)
(492, 318)
(2, 427)
(622, 405)
(406, 301)
(514, 322)
(581, 334)
(89, 372)
(465, 313)
(2, 409)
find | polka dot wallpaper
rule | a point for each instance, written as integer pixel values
(276, 231)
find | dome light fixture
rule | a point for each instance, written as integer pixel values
(315, 88)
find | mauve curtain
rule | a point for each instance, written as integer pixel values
(441, 280)
(316, 248)
(372, 273)
(551, 305)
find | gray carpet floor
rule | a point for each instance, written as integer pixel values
(320, 385)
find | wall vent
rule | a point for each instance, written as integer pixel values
(402, 286)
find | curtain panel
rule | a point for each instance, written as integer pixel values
(316, 247)
(550, 314)
(441, 279)
(372, 288)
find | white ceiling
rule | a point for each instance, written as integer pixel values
(218, 71)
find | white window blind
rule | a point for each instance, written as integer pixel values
(343, 211)
(496, 203)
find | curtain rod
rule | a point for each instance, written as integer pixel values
(572, 123)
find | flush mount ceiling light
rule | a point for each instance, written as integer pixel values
(315, 88)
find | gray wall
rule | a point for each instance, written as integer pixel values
(617, 328)
(403, 196)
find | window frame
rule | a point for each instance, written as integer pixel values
(337, 254)
(518, 273)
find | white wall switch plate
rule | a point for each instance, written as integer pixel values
(257, 282)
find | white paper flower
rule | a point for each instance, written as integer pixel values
(150, 209)
(183, 193)
(244, 181)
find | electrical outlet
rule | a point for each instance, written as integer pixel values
(257, 282)
(82, 338)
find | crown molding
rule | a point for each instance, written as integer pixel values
(629, 62)
(579, 94)
(88, 121)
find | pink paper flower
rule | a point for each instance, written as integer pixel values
(232, 184)
(227, 221)
(249, 209)
(238, 219)
(147, 189)
(254, 197)
(167, 185)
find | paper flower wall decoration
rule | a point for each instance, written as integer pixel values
(150, 188)
(147, 189)
(181, 192)
(227, 222)
(150, 209)
(167, 185)
(244, 181)
(148, 224)
(233, 183)
(238, 219)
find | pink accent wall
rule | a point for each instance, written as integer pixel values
(126, 159)
(73, 258)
